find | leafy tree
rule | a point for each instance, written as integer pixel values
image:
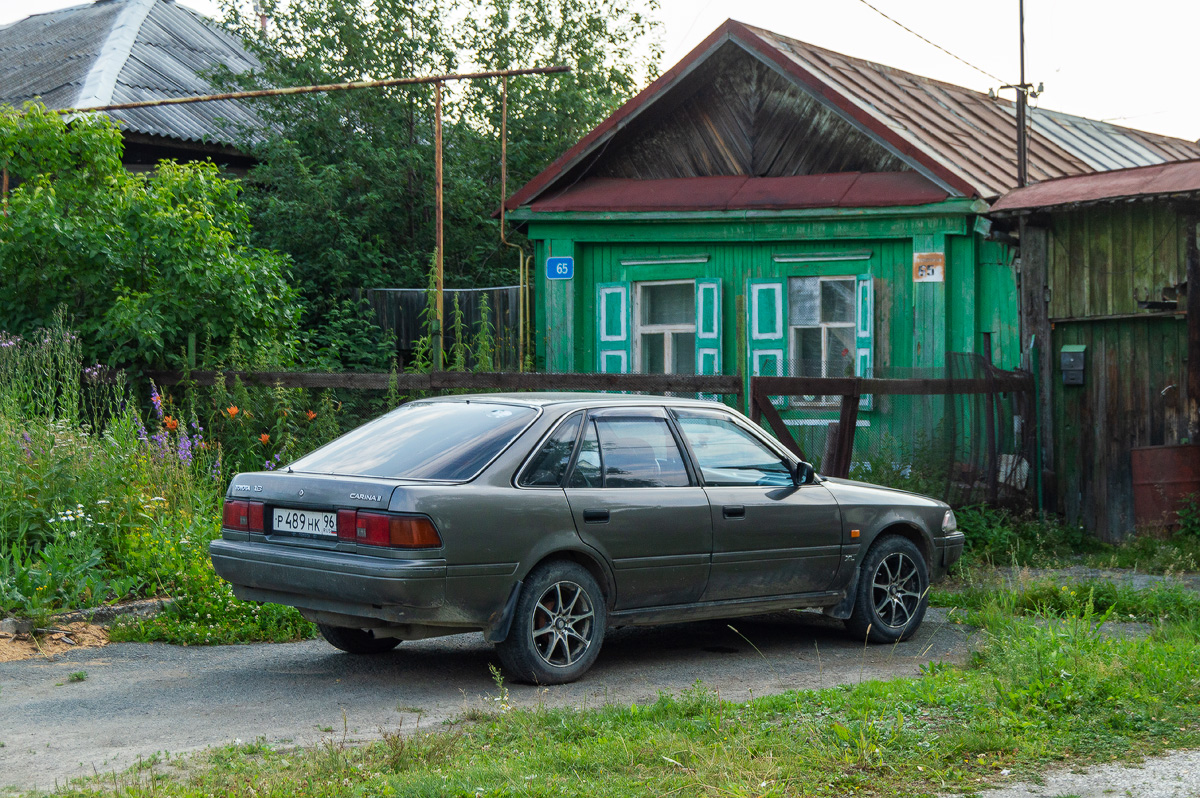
(346, 180)
(140, 261)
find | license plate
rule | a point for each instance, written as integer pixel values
(307, 522)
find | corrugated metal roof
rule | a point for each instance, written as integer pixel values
(960, 139)
(116, 51)
(1180, 177)
(843, 190)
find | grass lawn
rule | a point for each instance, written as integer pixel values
(1045, 687)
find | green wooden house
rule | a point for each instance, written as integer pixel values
(770, 207)
(1107, 261)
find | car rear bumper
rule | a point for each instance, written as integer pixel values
(409, 591)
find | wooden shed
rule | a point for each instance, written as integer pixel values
(1106, 261)
(771, 207)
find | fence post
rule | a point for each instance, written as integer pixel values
(847, 424)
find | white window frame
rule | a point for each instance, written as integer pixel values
(665, 329)
(794, 345)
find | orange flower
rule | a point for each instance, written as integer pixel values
(311, 415)
(170, 423)
(231, 411)
(265, 438)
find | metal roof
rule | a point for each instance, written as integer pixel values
(1164, 179)
(843, 190)
(960, 139)
(114, 51)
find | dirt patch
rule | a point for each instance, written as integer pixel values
(47, 643)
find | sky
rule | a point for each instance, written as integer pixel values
(1129, 63)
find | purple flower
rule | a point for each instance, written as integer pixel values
(268, 466)
(93, 373)
(156, 400)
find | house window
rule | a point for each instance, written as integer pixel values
(666, 327)
(822, 329)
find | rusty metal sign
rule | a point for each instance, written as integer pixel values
(929, 267)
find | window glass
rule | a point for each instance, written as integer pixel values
(674, 303)
(654, 354)
(729, 455)
(804, 301)
(683, 353)
(640, 453)
(588, 473)
(423, 440)
(837, 301)
(549, 465)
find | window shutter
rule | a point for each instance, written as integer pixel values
(708, 326)
(864, 315)
(613, 331)
(766, 326)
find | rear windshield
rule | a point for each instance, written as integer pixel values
(423, 440)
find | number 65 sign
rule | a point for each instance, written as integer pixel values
(929, 267)
(560, 268)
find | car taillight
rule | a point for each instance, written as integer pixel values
(387, 529)
(243, 516)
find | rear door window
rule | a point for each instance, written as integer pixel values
(630, 451)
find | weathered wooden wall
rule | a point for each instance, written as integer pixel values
(1101, 262)
(399, 310)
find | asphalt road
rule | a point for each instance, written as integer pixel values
(139, 699)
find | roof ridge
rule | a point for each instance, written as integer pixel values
(101, 80)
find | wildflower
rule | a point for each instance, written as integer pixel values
(170, 423)
(231, 411)
(311, 415)
(156, 400)
(264, 438)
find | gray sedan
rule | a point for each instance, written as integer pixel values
(545, 519)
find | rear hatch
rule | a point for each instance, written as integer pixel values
(301, 509)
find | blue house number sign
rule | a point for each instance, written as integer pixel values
(560, 268)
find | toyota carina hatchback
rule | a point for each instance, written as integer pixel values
(544, 519)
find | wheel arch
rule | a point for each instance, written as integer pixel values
(911, 532)
(588, 562)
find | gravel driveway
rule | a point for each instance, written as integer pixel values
(142, 698)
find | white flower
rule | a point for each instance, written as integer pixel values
(72, 533)
(103, 501)
(158, 499)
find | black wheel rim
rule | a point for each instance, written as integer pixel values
(563, 621)
(896, 590)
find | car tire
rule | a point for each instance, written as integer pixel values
(356, 641)
(892, 592)
(557, 628)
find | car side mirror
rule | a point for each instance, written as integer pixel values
(803, 473)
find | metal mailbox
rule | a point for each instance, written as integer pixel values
(1072, 363)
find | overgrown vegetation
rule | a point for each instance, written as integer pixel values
(142, 262)
(1041, 691)
(345, 184)
(96, 506)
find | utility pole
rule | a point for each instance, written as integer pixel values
(439, 333)
(1022, 101)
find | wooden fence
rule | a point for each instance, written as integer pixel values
(467, 380)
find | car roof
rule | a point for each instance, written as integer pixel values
(580, 399)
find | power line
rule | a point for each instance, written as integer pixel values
(932, 44)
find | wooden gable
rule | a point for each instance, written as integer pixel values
(735, 115)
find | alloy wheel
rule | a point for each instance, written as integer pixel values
(895, 590)
(563, 621)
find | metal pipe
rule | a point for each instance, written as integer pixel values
(439, 348)
(1022, 101)
(323, 87)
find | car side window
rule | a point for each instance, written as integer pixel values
(588, 471)
(549, 465)
(729, 455)
(640, 452)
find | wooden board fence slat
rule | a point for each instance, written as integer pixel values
(465, 380)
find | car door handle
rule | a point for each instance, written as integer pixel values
(595, 516)
(733, 511)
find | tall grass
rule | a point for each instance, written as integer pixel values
(96, 506)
